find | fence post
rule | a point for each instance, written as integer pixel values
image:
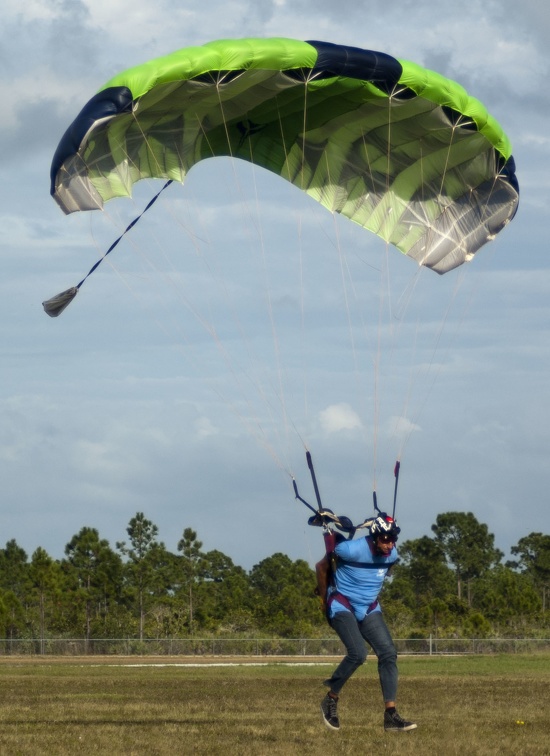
(431, 644)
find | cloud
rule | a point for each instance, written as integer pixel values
(400, 428)
(205, 428)
(339, 417)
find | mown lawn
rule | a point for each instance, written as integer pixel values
(463, 705)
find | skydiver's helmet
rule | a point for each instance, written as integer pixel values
(384, 525)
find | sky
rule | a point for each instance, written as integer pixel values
(239, 325)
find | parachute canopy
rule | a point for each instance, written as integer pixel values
(398, 149)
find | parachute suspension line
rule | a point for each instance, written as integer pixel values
(269, 301)
(425, 219)
(288, 421)
(461, 275)
(128, 228)
(280, 390)
(304, 132)
(254, 219)
(208, 326)
(442, 323)
(375, 351)
(308, 78)
(403, 427)
(256, 429)
(489, 196)
(386, 316)
(415, 374)
(303, 322)
(301, 257)
(348, 288)
(55, 306)
(249, 419)
(384, 276)
(384, 287)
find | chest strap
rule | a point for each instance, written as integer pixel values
(366, 565)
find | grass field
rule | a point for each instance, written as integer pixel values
(463, 705)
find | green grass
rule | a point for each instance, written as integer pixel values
(463, 705)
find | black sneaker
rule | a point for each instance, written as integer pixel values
(328, 710)
(394, 723)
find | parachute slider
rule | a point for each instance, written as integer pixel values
(55, 305)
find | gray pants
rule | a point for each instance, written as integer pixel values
(353, 635)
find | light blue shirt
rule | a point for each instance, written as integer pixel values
(359, 576)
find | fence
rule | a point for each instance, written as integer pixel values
(316, 647)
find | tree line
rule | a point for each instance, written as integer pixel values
(453, 582)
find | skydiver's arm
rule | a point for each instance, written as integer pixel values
(322, 571)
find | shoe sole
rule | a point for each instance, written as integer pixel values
(400, 729)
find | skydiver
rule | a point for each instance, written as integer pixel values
(349, 591)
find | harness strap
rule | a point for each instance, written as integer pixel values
(344, 600)
(367, 565)
(340, 598)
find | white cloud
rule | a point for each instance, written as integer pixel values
(33, 10)
(400, 428)
(339, 417)
(205, 428)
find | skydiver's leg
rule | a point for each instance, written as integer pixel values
(375, 631)
(347, 628)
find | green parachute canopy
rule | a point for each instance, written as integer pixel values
(398, 149)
